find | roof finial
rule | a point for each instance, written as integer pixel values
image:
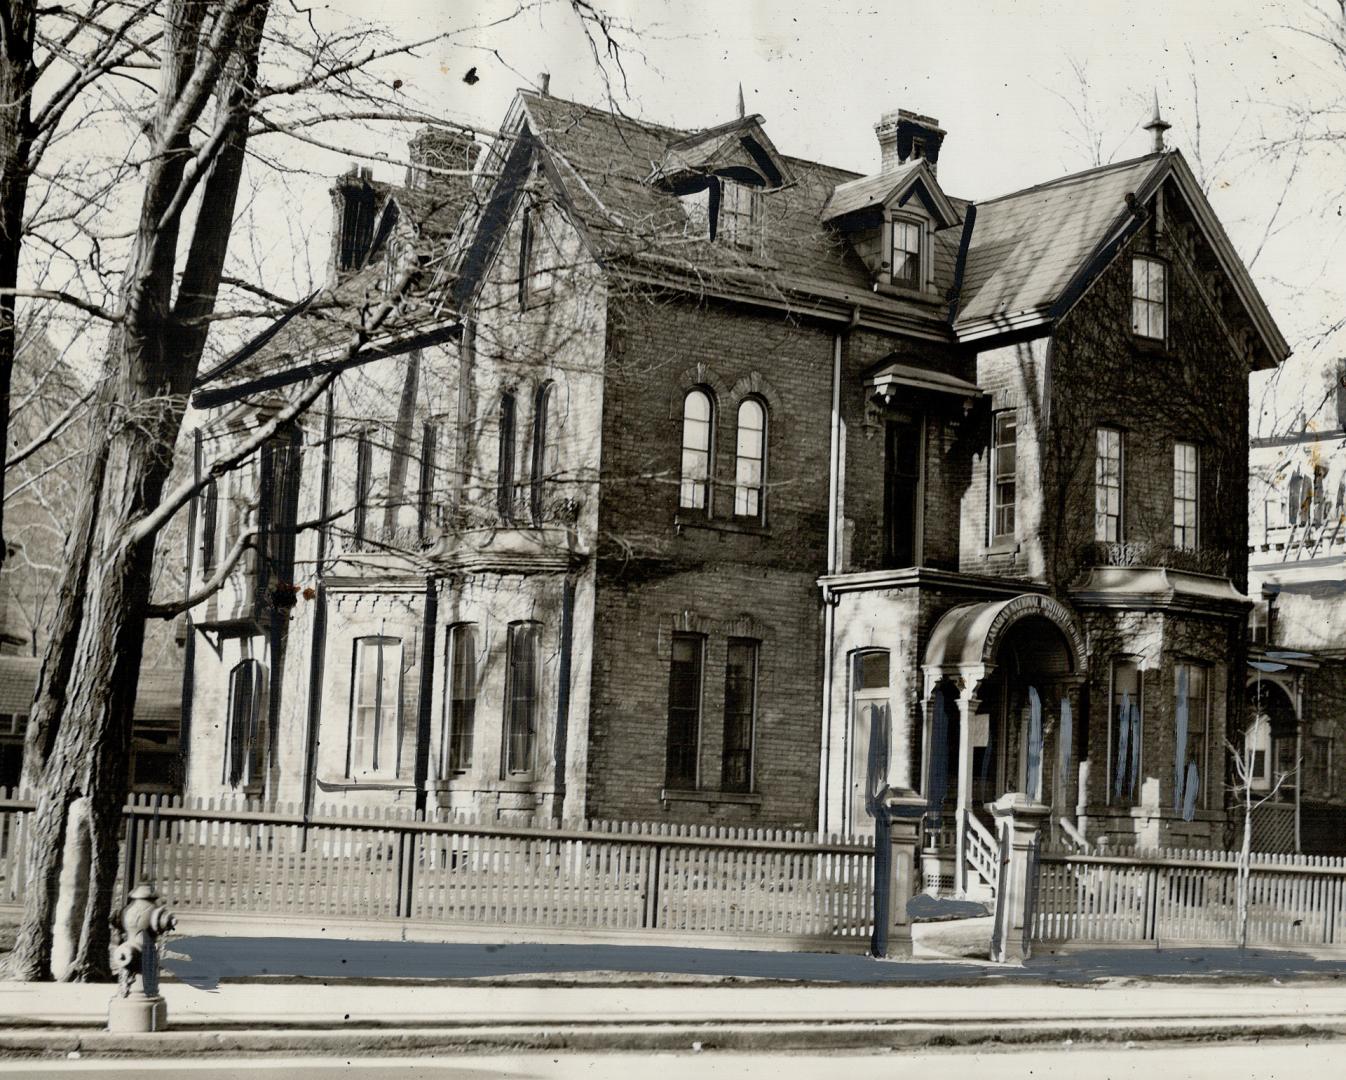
(742, 111)
(1158, 125)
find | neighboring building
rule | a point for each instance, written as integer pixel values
(703, 483)
(1297, 686)
(155, 749)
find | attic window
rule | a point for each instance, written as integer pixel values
(724, 210)
(905, 254)
(1148, 298)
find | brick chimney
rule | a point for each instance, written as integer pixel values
(354, 205)
(440, 148)
(905, 136)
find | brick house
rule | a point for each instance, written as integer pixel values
(748, 490)
(1296, 685)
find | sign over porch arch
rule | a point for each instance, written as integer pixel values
(969, 636)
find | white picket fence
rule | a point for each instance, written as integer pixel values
(1172, 897)
(245, 860)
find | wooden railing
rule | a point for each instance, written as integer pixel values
(246, 860)
(1172, 897)
(981, 849)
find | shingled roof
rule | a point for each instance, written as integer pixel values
(158, 694)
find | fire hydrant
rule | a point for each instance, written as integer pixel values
(144, 921)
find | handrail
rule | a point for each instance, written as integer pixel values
(982, 850)
(1073, 831)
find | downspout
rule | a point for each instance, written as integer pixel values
(562, 734)
(424, 701)
(833, 564)
(319, 637)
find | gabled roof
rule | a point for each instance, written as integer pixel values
(158, 692)
(741, 143)
(1032, 254)
(914, 179)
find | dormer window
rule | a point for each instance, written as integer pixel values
(905, 256)
(725, 211)
(738, 214)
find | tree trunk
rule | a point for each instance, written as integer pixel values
(79, 731)
(16, 84)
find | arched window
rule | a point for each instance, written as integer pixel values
(504, 495)
(750, 459)
(538, 475)
(374, 747)
(243, 757)
(698, 422)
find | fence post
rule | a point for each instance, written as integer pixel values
(132, 852)
(897, 841)
(1019, 820)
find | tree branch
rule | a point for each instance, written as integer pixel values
(209, 586)
(49, 433)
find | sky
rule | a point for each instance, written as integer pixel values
(1027, 91)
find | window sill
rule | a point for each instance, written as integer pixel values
(742, 798)
(1151, 813)
(1002, 547)
(906, 292)
(390, 783)
(742, 526)
(1147, 346)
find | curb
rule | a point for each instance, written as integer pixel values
(759, 1036)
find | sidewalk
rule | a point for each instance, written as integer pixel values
(288, 995)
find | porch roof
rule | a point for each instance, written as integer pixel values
(968, 636)
(887, 376)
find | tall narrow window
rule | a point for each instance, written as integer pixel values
(1186, 481)
(1108, 486)
(1192, 723)
(750, 459)
(1148, 298)
(684, 710)
(740, 714)
(698, 421)
(1297, 499)
(425, 496)
(1126, 730)
(376, 708)
(537, 493)
(1003, 475)
(243, 763)
(504, 484)
(362, 486)
(1257, 753)
(461, 714)
(210, 512)
(521, 699)
(902, 492)
(906, 254)
(527, 247)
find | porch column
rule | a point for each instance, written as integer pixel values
(968, 704)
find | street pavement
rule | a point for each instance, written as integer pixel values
(1230, 1061)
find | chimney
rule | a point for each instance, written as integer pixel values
(906, 136)
(440, 148)
(354, 202)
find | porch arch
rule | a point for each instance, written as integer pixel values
(966, 640)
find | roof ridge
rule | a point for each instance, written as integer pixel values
(1070, 178)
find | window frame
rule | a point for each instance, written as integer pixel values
(454, 732)
(704, 484)
(744, 194)
(1203, 765)
(996, 536)
(364, 467)
(1180, 531)
(918, 226)
(728, 782)
(508, 767)
(1104, 521)
(537, 475)
(1112, 797)
(375, 770)
(1146, 299)
(1257, 740)
(252, 757)
(681, 780)
(426, 492)
(755, 493)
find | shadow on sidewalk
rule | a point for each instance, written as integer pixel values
(204, 962)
